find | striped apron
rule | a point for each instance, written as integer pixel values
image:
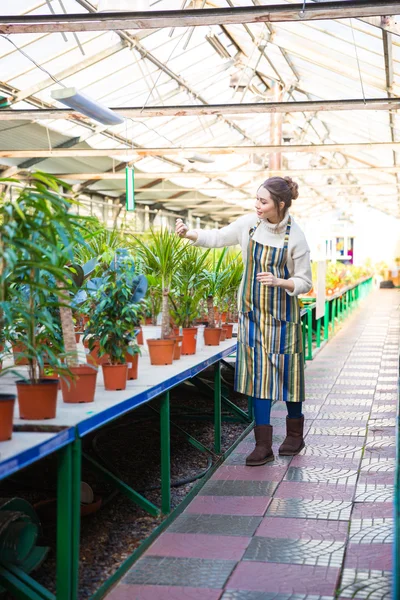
(270, 361)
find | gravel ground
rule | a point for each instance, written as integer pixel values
(131, 446)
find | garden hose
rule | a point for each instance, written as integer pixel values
(20, 529)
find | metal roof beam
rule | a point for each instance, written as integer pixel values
(214, 150)
(212, 109)
(12, 24)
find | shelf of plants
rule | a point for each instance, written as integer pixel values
(76, 301)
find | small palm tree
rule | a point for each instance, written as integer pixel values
(215, 276)
(188, 282)
(161, 254)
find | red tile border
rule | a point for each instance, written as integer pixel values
(377, 557)
(313, 491)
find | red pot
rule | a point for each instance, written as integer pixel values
(223, 335)
(139, 337)
(189, 340)
(7, 402)
(132, 362)
(37, 400)
(115, 376)
(228, 328)
(82, 387)
(212, 336)
(161, 351)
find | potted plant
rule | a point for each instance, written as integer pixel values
(161, 255)
(215, 276)
(37, 231)
(187, 294)
(115, 299)
(229, 291)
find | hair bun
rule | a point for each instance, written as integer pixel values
(294, 187)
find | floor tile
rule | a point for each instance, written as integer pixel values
(276, 527)
(314, 491)
(162, 592)
(364, 510)
(321, 474)
(215, 524)
(369, 556)
(229, 505)
(199, 545)
(275, 577)
(191, 572)
(300, 552)
(267, 472)
(365, 585)
(222, 487)
(253, 595)
(373, 530)
(312, 509)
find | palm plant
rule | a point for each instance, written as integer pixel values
(215, 276)
(187, 285)
(228, 293)
(161, 254)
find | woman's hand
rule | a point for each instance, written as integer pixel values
(180, 228)
(268, 279)
(183, 231)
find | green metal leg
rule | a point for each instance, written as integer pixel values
(217, 407)
(165, 455)
(309, 335)
(326, 321)
(64, 521)
(333, 314)
(76, 515)
(319, 333)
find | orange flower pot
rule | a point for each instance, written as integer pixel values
(223, 317)
(223, 335)
(37, 400)
(133, 362)
(115, 376)
(82, 387)
(93, 357)
(161, 351)
(7, 402)
(139, 337)
(212, 336)
(228, 328)
(189, 340)
(178, 347)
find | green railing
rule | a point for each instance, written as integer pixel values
(316, 332)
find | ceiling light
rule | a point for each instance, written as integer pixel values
(85, 105)
(199, 158)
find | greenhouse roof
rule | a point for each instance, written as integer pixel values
(212, 160)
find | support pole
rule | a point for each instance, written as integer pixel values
(165, 445)
(217, 407)
(64, 520)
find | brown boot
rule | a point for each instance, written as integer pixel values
(262, 453)
(293, 442)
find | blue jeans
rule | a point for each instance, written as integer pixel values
(262, 410)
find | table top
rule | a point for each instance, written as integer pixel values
(26, 448)
(152, 381)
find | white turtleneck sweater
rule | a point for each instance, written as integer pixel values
(269, 234)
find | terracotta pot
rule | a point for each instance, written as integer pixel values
(223, 335)
(7, 402)
(178, 347)
(223, 317)
(37, 400)
(189, 341)
(82, 387)
(176, 330)
(148, 321)
(139, 336)
(133, 362)
(93, 357)
(18, 358)
(212, 336)
(161, 351)
(228, 328)
(48, 373)
(115, 376)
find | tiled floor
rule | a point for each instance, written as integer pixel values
(314, 527)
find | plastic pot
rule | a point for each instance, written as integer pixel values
(7, 402)
(212, 336)
(161, 351)
(37, 401)
(228, 328)
(132, 362)
(178, 346)
(189, 340)
(82, 387)
(115, 376)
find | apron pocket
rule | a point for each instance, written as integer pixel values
(281, 337)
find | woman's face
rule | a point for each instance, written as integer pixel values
(265, 206)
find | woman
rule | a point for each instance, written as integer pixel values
(270, 361)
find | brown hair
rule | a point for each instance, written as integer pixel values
(281, 189)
